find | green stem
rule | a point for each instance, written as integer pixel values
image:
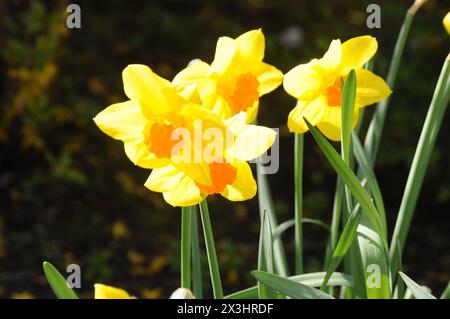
(211, 251)
(196, 256)
(298, 182)
(186, 247)
(372, 141)
(421, 160)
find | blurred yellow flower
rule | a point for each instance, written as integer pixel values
(235, 80)
(108, 292)
(446, 22)
(316, 86)
(193, 152)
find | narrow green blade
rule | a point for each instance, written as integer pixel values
(347, 176)
(418, 291)
(313, 279)
(345, 241)
(58, 282)
(290, 287)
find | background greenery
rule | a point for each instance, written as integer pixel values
(68, 194)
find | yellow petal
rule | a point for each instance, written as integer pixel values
(251, 143)
(446, 22)
(250, 45)
(142, 84)
(370, 88)
(137, 151)
(186, 193)
(332, 58)
(252, 111)
(330, 124)
(356, 52)
(268, 76)
(164, 179)
(122, 121)
(108, 292)
(187, 80)
(199, 172)
(313, 111)
(225, 51)
(243, 187)
(304, 81)
(236, 123)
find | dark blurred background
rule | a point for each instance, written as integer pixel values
(68, 194)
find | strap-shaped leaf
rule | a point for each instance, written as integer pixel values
(58, 282)
(290, 287)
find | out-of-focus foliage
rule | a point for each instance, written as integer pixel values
(69, 195)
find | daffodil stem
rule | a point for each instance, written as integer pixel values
(298, 184)
(372, 141)
(211, 251)
(197, 286)
(421, 160)
(186, 247)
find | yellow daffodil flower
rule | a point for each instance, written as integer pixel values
(230, 174)
(146, 123)
(446, 22)
(235, 80)
(316, 86)
(108, 292)
(163, 131)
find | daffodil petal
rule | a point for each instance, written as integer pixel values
(236, 123)
(186, 193)
(142, 84)
(108, 292)
(356, 52)
(251, 143)
(225, 51)
(243, 187)
(446, 22)
(250, 46)
(164, 179)
(330, 124)
(370, 88)
(313, 111)
(199, 172)
(137, 151)
(304, 81)
(122, 121)
(189, 78)
(332, 58)
(268, 76)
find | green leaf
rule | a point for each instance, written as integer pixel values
(265, 257)
(446, 293)
(58, 282)
(425, 147)
(373, 136)
(266, 204)
(284, 226)
(348, 107)
(418, 291)
(369, 175)
(314, 279)
(345, 241)
(347, 176)
(290, 287)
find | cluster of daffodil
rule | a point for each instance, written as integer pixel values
(225, 95)
(168, 126)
